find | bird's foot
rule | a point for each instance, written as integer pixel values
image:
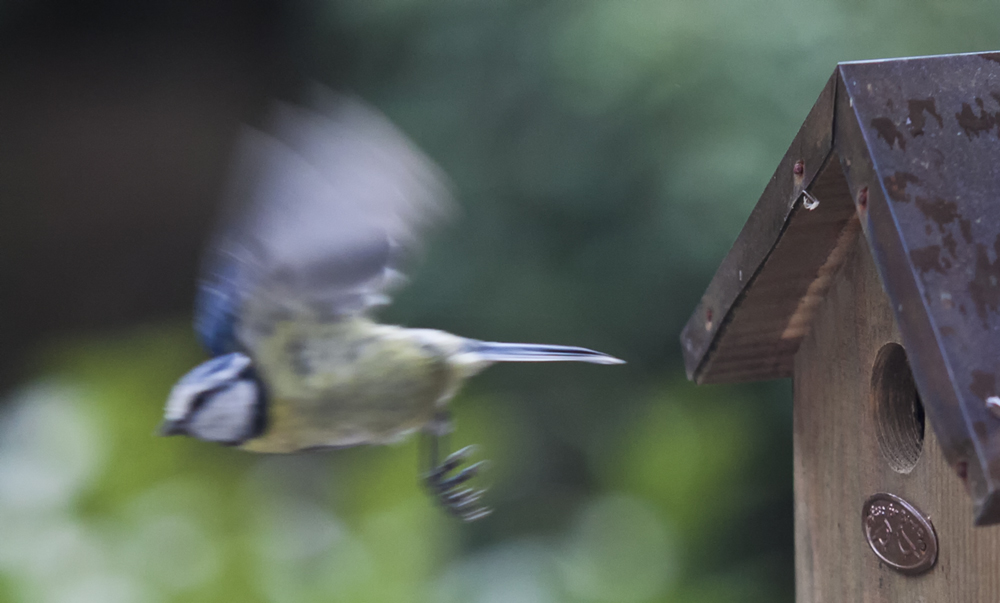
(446, 486)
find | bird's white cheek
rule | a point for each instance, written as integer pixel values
(227, 416)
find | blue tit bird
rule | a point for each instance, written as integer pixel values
(324, 205)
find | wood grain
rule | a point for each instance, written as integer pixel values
(766, 324)
(807, 156)
(838, 464)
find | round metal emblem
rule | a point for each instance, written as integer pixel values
(899, 534)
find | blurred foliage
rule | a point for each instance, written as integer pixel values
(606, 153)
(96, 508)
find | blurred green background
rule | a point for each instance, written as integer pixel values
(605, 153)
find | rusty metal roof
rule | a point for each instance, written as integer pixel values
(909, 151)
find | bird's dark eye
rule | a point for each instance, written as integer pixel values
(230, 414)
(259, 421)
(247, 374)
(200, 400)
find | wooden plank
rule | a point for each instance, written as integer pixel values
(766, 324)
(811, 150)
(839, 463)
(917, 140)
(921, 136)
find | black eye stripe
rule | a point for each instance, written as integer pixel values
(249, 373)
(201, 398)
(258, 422)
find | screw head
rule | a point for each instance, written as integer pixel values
(993, 405)
(799, 168)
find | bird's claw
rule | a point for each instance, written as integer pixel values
(445, 486)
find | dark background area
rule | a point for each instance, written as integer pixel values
(605, 154)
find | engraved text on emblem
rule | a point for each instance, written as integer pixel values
(899, 534)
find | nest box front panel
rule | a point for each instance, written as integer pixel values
(922, 137)
(859, 431)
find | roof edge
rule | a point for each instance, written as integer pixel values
(808, 153)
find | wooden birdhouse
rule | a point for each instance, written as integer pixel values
(869, 273)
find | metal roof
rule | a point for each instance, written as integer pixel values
(907, 152)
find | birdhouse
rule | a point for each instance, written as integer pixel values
(869, 273)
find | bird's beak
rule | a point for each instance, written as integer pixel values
(169, 428)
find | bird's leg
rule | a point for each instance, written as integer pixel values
(444, 484)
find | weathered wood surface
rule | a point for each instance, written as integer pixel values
(761, 354)
(932, 195)
(917, 141)
(767, 323)
(839, 463)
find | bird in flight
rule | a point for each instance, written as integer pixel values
(324, 205)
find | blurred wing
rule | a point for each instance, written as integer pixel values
(323, 208)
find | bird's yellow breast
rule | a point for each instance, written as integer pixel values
(346, 383)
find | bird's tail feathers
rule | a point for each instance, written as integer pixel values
(533, 352)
